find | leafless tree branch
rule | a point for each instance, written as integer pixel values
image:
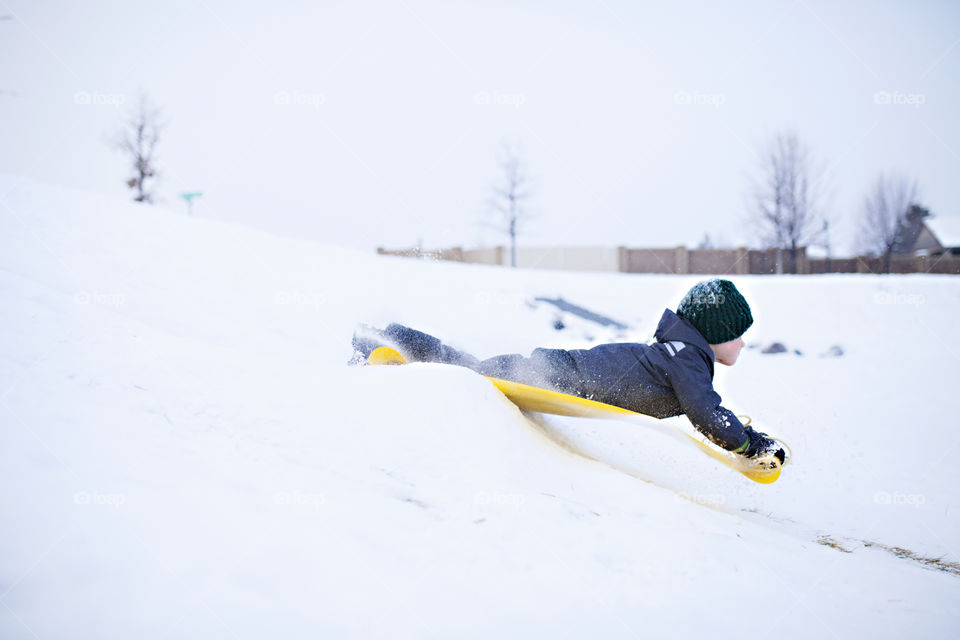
(509, 195)
(787, 199)
(883, 221)
(137, 139)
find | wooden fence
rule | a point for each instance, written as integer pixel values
(740, 261)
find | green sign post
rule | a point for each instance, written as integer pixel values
(189, 198)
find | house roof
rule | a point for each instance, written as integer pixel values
(946, 228)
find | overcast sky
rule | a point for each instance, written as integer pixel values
(378, 123)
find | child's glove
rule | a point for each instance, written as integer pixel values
(761, 444)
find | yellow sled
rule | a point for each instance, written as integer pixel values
(765, 469)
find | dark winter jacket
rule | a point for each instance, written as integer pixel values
(670, 377)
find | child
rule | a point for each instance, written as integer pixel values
(670, 377)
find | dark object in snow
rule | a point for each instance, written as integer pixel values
(774, 347)
(836, 351)
(798, 352)
(586, 314)
(558, 324)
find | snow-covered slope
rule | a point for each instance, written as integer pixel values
(185, 453)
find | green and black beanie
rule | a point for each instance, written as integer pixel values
(717, 310)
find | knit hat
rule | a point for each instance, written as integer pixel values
(717, 310)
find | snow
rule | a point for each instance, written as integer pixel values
(946, 229)
(185, 452)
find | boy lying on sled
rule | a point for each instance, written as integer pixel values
(669, 377)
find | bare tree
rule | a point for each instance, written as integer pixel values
(786, 201)
(886, 216)
(137, 139)
(508, 196)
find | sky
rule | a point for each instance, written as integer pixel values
(366, 124)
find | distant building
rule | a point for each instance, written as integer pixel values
(926, 235)
(913, 236)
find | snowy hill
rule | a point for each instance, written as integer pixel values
(186, 454)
